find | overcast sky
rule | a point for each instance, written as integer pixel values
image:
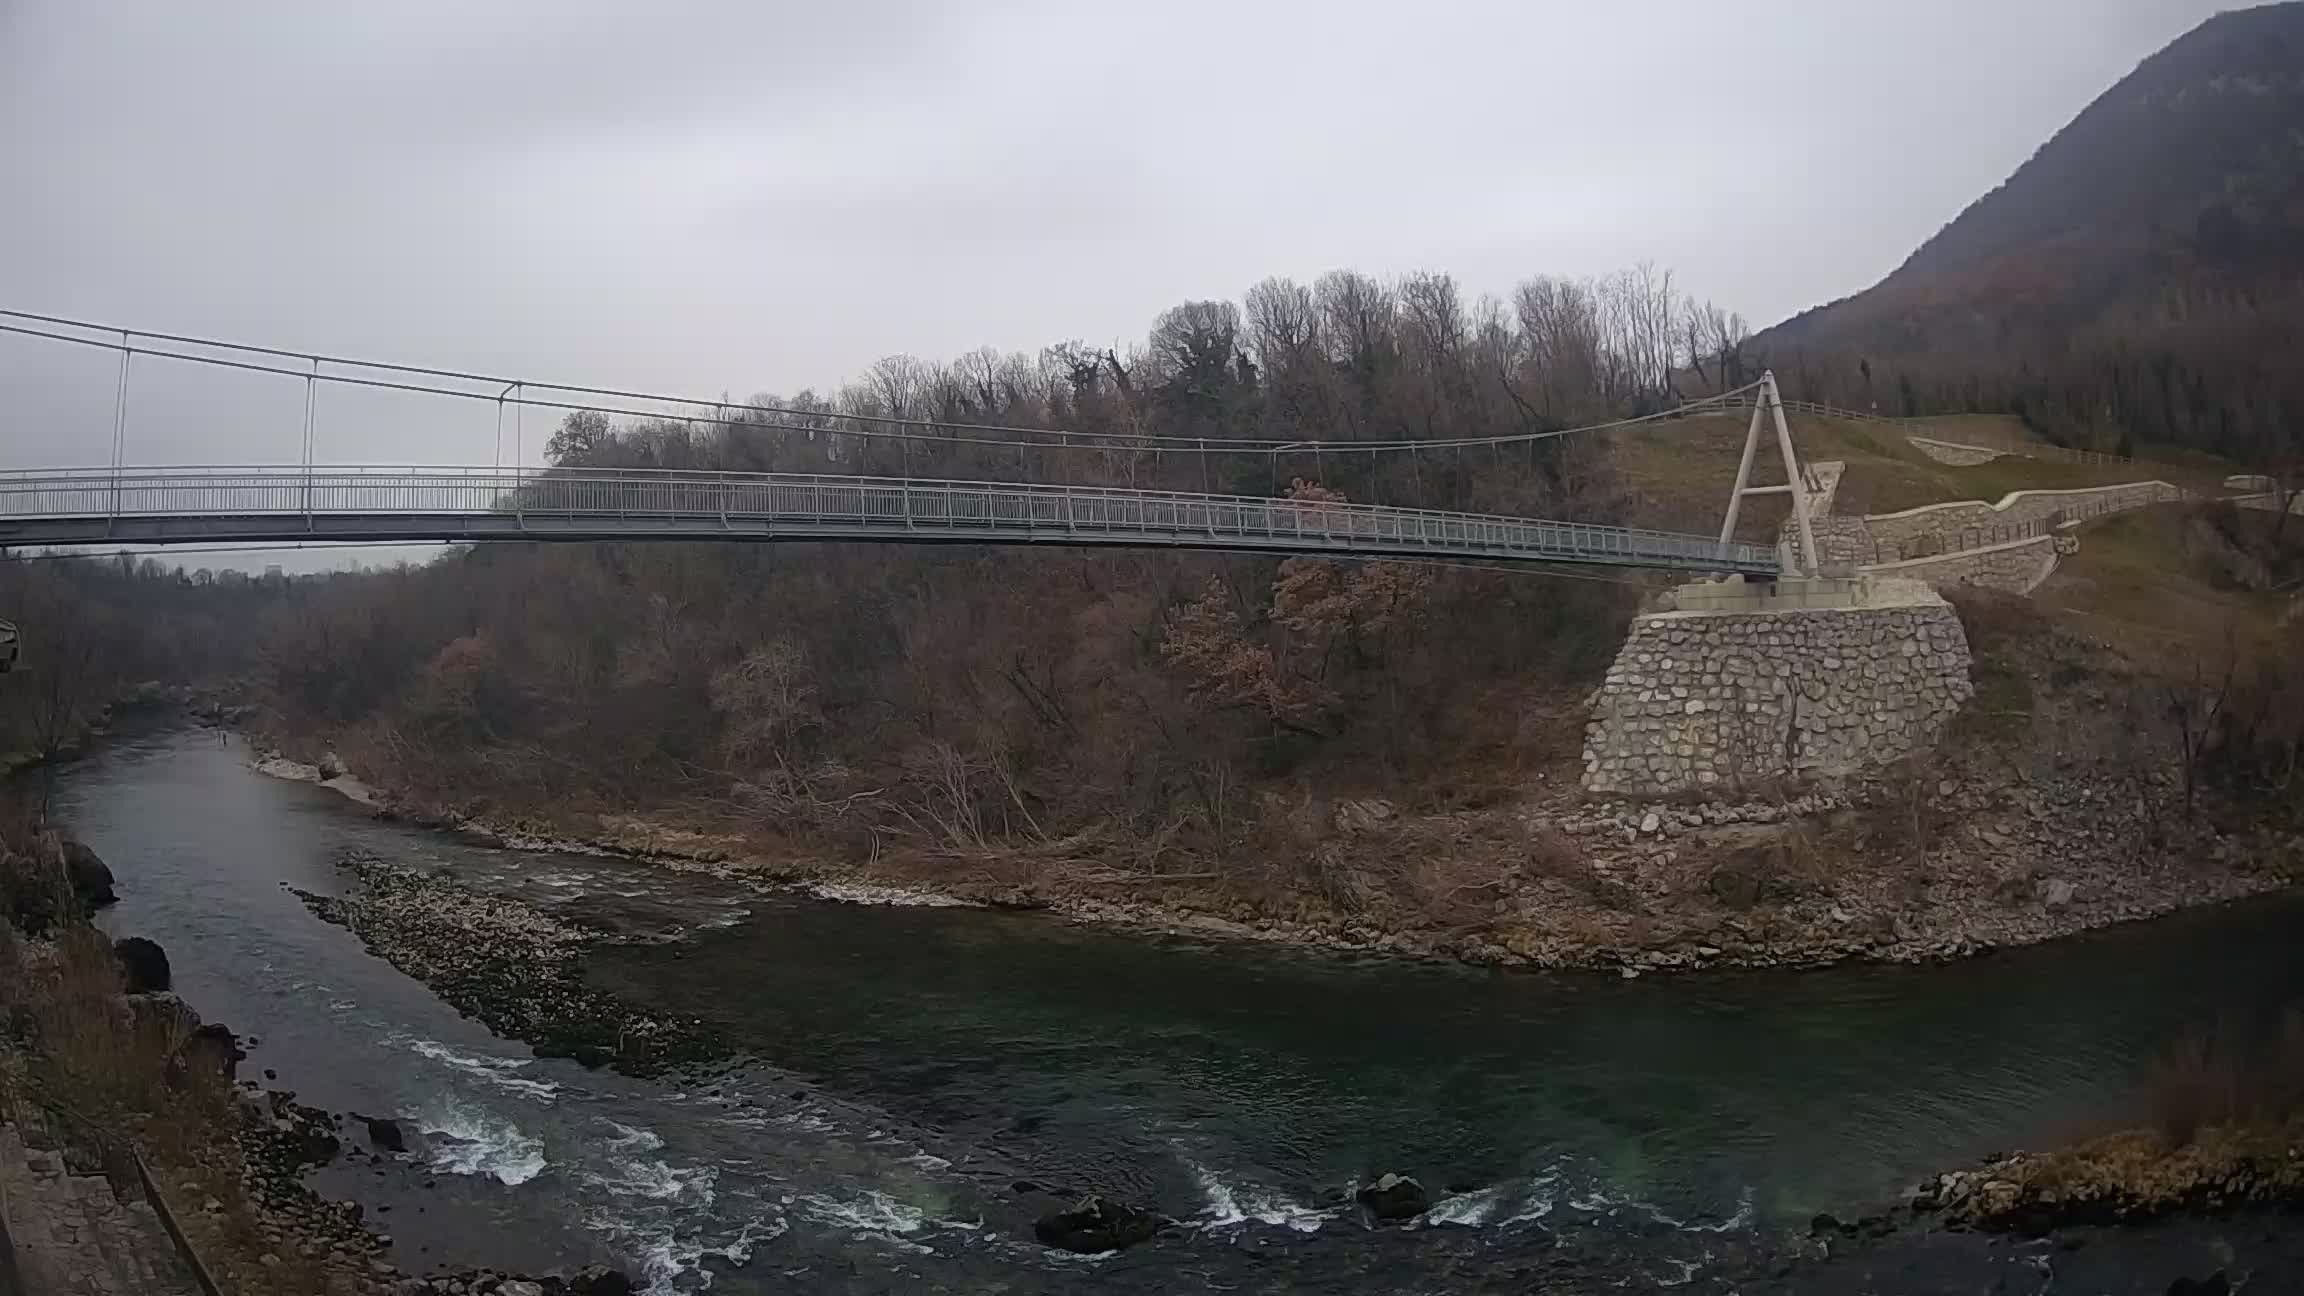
(762, 196)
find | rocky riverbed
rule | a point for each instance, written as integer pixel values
(508, 965)
(1853, 871)
(281, 1141)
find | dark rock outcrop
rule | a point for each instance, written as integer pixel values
(91, 879)
(1394, 1197)
(143, 965)
(211, 1048)
(162, 1010)
(385, 1135)
(1095, 1225)
(1869, 1226)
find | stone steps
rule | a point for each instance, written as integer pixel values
(73, 1237)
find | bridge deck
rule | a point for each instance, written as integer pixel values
(207, 505)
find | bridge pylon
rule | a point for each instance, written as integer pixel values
(1768, 404)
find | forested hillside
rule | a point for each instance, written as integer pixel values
(1155, 707)
(101, 631)
(2139, 281)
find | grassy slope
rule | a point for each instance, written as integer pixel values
(2141, 583)
(2138, 582)
(1678, 474)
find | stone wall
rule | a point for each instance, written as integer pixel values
(1699, 701)
(1966, 524)
(1843, 538)
(2017, 567)
(1959, 456)
(1822, 480)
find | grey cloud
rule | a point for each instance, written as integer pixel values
(745, 196)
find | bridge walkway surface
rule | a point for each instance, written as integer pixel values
(177, 505)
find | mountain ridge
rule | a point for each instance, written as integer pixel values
(2164, 223)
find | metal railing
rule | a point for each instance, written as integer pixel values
(199, 503)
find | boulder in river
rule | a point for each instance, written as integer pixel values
(385, 1135)
(599, 1280)
(1394, 1197)
(143, 965)
(1096, 1224)
(90, 879)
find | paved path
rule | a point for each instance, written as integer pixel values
(74, 1238)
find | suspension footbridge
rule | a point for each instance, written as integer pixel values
(122, 503)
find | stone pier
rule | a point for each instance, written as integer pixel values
(1733, 683)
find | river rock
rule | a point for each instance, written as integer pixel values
(1355, 817)
(1394, 1197)
(599, 1280)
(519, 1287)
(1095, 1225)
(331, 766)
(90, 879)
(385, 1135)
(143, 965)
(1734, 885)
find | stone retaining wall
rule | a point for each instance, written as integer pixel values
(1822, 480)
(1697, 701)
(1944, 524)
(2017, 567)
(72, 1237)
(1843, 538)
(1958, 456)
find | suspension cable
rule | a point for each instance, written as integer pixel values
(823, 421)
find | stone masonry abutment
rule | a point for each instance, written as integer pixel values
(1735, 684)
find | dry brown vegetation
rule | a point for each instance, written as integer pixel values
(2230, 1077)
(1135, 714)
(1302, 739)
(96, 630)
(106, 1074)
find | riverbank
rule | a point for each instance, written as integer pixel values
(2207, 1210)
(914, 1064)
(2126, 1177)
(1964, 857)
(1930, 1239)
(105, 1072)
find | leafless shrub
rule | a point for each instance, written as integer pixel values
(2221, 1077)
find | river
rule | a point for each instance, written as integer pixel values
(911, 1065)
